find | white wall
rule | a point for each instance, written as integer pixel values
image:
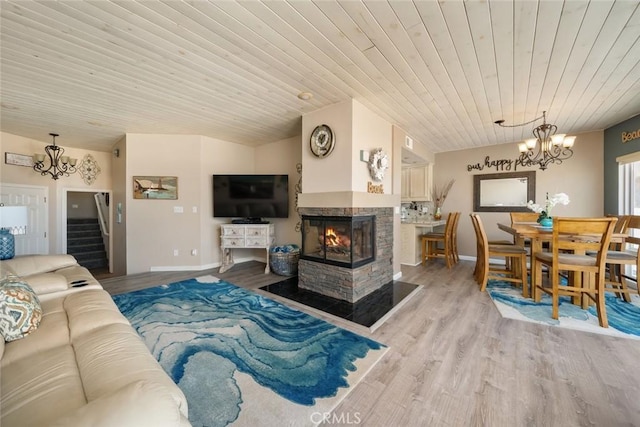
(283, 157)
(331, 173)
(154, 229)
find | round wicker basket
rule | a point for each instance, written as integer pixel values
(284, 263)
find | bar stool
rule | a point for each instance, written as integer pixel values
(431, 242)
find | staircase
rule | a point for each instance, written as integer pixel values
(84, 242)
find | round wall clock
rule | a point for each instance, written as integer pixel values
(322, 141)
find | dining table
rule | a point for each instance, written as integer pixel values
(537, 235)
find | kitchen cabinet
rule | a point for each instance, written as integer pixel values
(416, 183)
(410, 241)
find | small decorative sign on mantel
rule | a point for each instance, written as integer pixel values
(18, 159)
(375, 188)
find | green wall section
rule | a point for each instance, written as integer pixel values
(614, 148)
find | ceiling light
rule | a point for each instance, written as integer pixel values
(59, 165)
(551, 147)
(305, 96)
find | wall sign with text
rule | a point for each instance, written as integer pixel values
(500, 165)
(630, 136)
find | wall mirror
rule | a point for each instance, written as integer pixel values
(503, 192)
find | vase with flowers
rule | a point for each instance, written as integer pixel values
(439, 195)
(544, 212)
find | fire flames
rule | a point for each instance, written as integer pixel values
(335, 239)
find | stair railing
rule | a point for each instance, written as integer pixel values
(103, 209)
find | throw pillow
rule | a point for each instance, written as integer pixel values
(20, 311)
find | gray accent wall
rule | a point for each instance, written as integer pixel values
(614, 148)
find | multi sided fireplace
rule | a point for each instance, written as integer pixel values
(344, 241)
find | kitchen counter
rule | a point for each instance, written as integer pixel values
(411, 230)
(424, 222)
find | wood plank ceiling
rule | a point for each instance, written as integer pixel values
(443, 71)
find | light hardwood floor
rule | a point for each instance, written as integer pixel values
(454, 361)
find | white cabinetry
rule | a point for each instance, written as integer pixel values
(416, 183)
(408, 239)
(244, 236)
(411, 242)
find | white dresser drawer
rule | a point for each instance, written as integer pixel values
(233, 231)
(255, 231)
(247, 236)
(232, 242)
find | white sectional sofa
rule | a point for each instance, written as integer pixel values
(84, 365)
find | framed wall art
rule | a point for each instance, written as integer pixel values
(18, 159)
(155, 187)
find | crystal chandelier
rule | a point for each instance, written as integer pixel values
(59, 165)
(547, 146)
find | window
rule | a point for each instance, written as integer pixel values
(629, 194)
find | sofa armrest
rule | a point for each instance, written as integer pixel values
(141, 403)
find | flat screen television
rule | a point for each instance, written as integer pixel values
(251, 197)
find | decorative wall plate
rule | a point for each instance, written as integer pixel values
(89, 169)
(378, 164)
(322, 141)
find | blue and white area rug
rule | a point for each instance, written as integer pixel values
(623, 317)
(245, 360)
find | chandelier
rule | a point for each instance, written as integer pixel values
(59, 165)
(547, 146)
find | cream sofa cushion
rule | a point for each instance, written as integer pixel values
(91, 309)
(114, 356)
(41, 387)
(138, 404)
(52, 332)
(45, 283)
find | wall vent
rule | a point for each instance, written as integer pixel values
(408, 142)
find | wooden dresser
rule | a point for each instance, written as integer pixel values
(244, 236)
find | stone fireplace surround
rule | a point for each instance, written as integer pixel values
(345, 283)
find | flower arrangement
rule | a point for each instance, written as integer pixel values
(439, 194)
(545, 211)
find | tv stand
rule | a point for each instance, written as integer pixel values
(244, 236)
(249, 221)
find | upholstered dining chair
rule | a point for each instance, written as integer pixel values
(572, 239)
(484, 271)
(441, 245)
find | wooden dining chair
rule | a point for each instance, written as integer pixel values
(441, 245)
(484, 271)
(572, 239)
(622, 254)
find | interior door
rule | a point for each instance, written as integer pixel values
(36, 240)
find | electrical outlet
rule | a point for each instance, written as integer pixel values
(176, 252)
(194, 252)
